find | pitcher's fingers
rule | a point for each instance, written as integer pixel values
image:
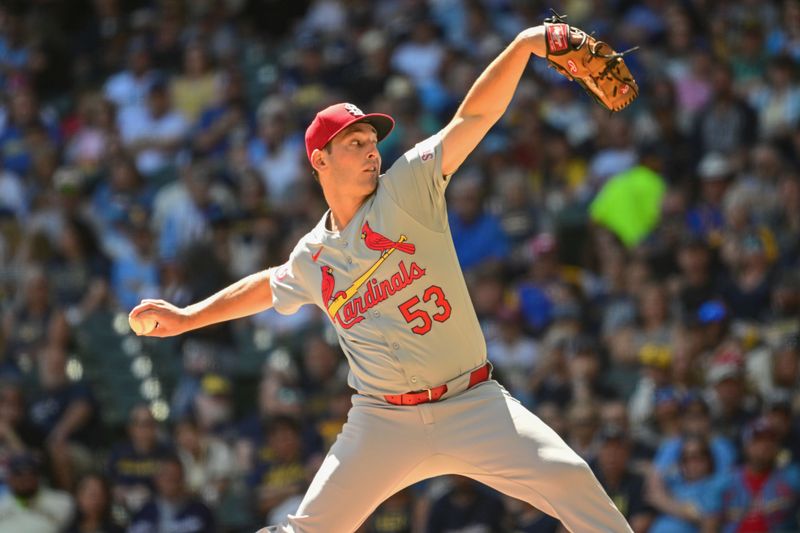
(144, 306)
(154, 313)
(150, 301)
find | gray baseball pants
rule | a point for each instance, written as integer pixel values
(482, 433)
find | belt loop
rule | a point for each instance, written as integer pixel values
(430, 396)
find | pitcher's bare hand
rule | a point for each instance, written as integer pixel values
(170, 320)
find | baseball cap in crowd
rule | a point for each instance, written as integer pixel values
(691, 400)
(566, 311)
(667, 394)
(720, 372)
(23, 462)
(215, 385)
(760, 427)
(778, 400)
(68, 180)
(727, 363)
(789, 342)
(159, 84)
(333, 119)
(580, 345)
(612, 433)
(655, 355)
(714, 166)
(542, 244)
(711, 312)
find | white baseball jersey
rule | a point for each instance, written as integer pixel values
(391, 283)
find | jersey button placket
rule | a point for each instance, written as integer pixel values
(395, 346)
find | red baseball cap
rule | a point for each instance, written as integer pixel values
(332, 120)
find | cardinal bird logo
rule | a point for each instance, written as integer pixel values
(376, 241)
(355, 307)
(328, 284)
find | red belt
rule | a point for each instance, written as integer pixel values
(432, 395)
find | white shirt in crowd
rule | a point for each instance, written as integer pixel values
(48, 512)
(137, 123)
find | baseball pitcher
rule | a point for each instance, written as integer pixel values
(381, 264)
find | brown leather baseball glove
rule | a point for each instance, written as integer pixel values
(592, 63)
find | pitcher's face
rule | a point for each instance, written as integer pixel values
(354, 163)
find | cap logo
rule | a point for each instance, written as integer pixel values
(353, 110)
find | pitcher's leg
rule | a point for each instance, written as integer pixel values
(507, 447)
(378, 447)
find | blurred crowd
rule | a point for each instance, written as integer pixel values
(636, 275)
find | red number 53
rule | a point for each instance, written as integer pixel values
(419, 314)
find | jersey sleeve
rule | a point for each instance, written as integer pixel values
(415, 182)
(289, 285)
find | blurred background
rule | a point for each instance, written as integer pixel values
(636, 275)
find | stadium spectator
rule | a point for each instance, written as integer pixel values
(122, 191)
(29, 505)
(465, 506)
(17, 435)
(277, 152)
(208, 462)
(172, 508)
(280, 471)
(395, 515)
(321, 368)
(775, 488)
(706, 219)
(79, 271)
(477, 234)
(132, 464)
(129, 87)
(26, 128)
(93, 507)
(514, 355)
(624, 486)
(727, 124)
(65, 413)
(154, 132)
(93, 135)
(196, 87)
(686, 500)
(31, 325)
(224, 123)
(695, 423)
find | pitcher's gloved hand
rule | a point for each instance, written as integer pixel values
(594, 64)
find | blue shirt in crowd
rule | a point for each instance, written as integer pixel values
(702, 493)
(481, 240)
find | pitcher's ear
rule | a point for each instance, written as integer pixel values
(318, 159)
